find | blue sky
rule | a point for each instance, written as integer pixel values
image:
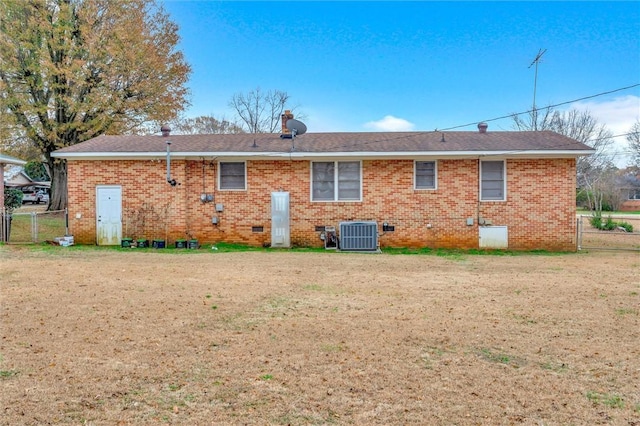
(367, 66)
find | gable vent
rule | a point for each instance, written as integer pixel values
(358, 236)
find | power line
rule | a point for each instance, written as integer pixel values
(550, 106)
(412, 134)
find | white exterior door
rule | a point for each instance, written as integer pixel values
(280, 233)
(108, 215)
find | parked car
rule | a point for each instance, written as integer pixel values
(34, 196)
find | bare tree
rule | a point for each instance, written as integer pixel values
(604, 190)
(596, 173)
(258, 111)
(535, 120)
(633, 138)
(578, 125)
(205, 124)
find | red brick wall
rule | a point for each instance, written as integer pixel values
(539, 210)
(630, 206)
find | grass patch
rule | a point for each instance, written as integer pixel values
(5, 374)
(332, 348)
(174, 387)
(431, 354)
(454, 254)
(492, 356)
(524, 319)
(606, 399)
(313, 287)
(555, 366)
(626, 311)
(617, 212)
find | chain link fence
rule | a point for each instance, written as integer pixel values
(34, 226)
(618, 238)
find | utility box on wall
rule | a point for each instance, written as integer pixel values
(330, 238)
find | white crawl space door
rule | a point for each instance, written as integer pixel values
(494, 237)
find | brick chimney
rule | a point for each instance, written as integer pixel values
(482, 127)
(286, 116)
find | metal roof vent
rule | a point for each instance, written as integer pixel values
(165, 130)
(482, 127)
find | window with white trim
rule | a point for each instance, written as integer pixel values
(425, 175)
(336, 181)
(232, 176)
(492, 181)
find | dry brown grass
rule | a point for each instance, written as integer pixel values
(108, 337)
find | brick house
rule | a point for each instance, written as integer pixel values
(630, 186)
(473, 189)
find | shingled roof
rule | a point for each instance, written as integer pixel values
(313, 145)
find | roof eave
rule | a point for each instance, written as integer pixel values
(7, 159)
(300, 155)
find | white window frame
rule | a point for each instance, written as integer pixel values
(504, 180)
(435, 176)
(220, 187)
(335, 182)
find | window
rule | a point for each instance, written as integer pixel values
(634, 194)
(425, 175)
(232, 176)
(335, 181)
(492, 181)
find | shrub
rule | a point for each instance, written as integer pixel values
(626, 225)
(609, 224)
(12, 199)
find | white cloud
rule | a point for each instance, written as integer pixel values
(389, 124)
(618, 115)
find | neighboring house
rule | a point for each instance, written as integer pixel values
(511, 190)
(32, 191)
(7, 163)
(631, 191)
(21, 179)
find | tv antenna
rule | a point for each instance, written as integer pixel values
(534, 111)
